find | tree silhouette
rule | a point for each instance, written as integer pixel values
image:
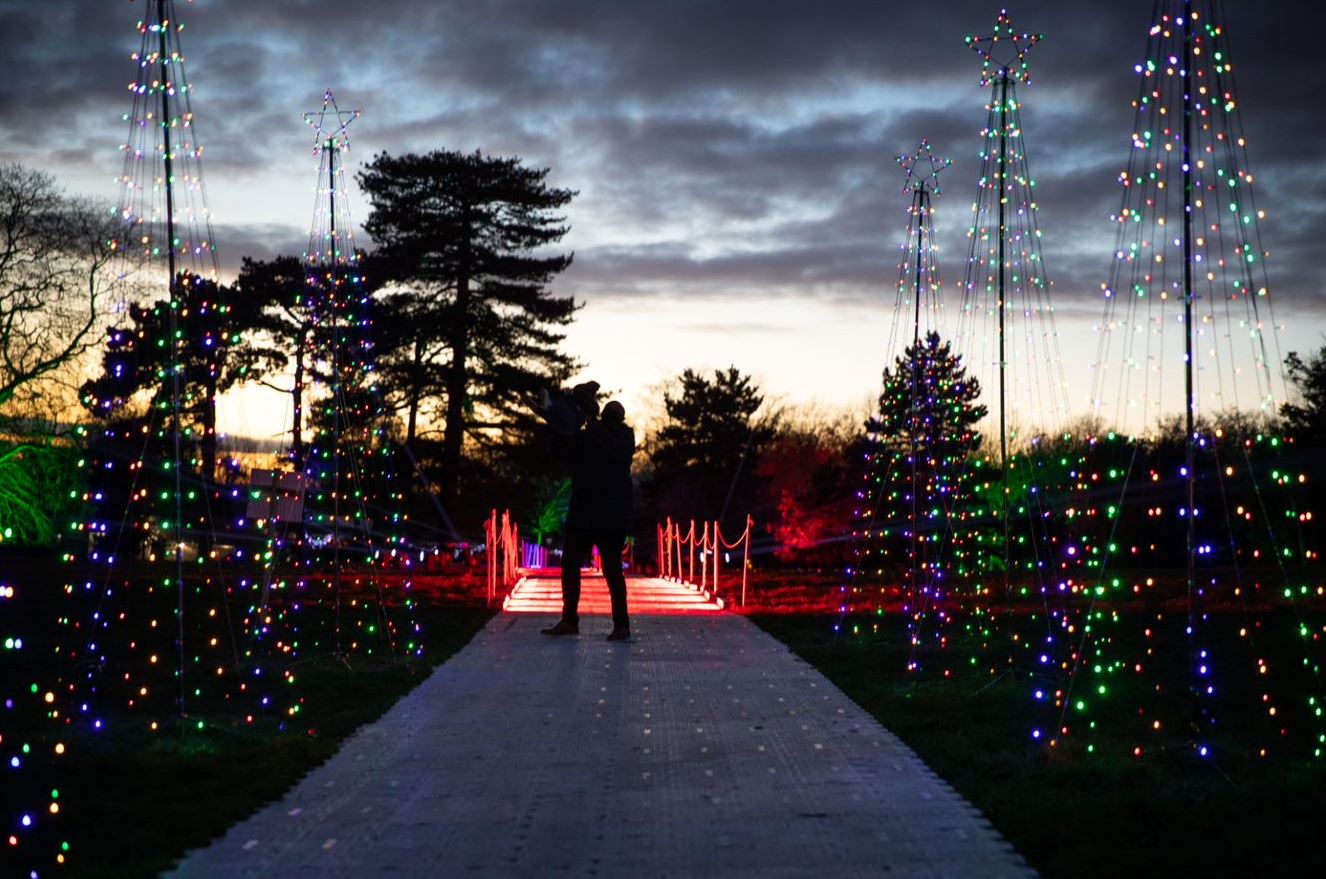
(703, 457)
(411, 362)
(463, 237)
(1307, 419)
(277, 293)
(132, 394)
(54, 253)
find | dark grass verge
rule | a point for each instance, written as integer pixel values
(135, 805)
(1075, 816)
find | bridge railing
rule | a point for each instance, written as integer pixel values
(678, 553)
(533, 555)
(502, 536)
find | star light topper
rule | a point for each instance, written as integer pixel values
(928, 182)
(1016, 67)
(337, 140)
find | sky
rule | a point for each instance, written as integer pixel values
(738, 199)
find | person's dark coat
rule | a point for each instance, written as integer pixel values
(601, 493)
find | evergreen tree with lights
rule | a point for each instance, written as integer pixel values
(928, 412)
(133, 397)
(912, 540)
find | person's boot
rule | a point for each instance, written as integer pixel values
(620, 633)
(563, 627)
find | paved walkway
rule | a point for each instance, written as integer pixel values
(703, 748)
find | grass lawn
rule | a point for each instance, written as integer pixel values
(133, 803)
(1077, 815)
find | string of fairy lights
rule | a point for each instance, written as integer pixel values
(1229, 489)
(1098, 566)
(1006, 316)
(173, 620)
(162, 143)
(1007, 333)
(1173, 539)
(351, 490)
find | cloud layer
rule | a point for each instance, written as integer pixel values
(721, 149)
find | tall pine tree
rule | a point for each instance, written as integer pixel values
(465, 238)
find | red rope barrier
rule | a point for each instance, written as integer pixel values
(708, 544)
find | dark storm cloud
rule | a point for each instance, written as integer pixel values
(732, 147)
(60, 59)
(742, 47)
(736, 169)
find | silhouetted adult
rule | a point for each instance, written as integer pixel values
(599, 515)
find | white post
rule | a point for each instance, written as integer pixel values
(718, 553)
(691, 576)
(704, 563)
(491, 535)
(745, 558)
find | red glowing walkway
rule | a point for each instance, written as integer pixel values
(541, 592)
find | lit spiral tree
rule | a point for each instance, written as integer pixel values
(1007, 337)
(160, 631)
(350, 518)
(923, 274)
(1203, 627)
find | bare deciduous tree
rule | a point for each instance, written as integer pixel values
(55, 252)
